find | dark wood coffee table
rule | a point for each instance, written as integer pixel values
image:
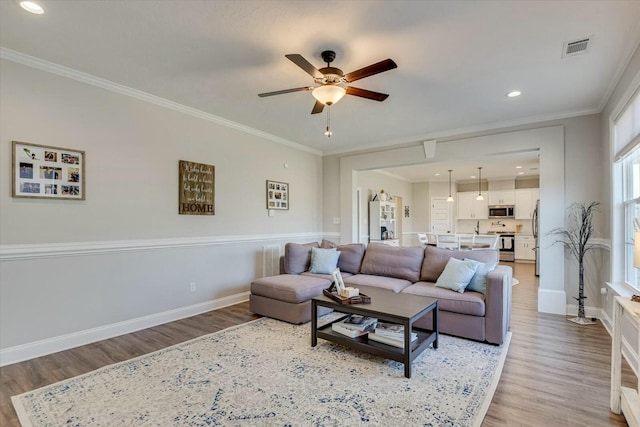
(387, 306)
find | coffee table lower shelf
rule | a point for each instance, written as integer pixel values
(389, 307)
(364, 344)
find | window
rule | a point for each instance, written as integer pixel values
(631, 201)
(627, 146)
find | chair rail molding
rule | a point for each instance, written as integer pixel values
(48, 250)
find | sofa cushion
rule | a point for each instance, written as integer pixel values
(479, 281)
(323, 261)
(293, 288)
(351, 257)
(457, 274)
(390, 283)
(390, 261)
(435, 259)
(298, 257)
(471, 303)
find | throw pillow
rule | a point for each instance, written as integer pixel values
(323, 261)
(456, 275)
(327, 244)
(479, 281)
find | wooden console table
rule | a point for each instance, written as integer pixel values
(624, 399)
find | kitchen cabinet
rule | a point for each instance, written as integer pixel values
(504, 197)
(470, 208)
(526, 202)
(382, 214)
(525, 248)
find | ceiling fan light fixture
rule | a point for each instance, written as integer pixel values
(32, 7)
(329, 94)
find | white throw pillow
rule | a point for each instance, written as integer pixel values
(457, 274)
(324, 261)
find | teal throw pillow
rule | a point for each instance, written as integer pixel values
(324, 261)
(479, 281)
(456, 275)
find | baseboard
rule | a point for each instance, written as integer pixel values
(554, 302)
(589, 312)
(35, 349)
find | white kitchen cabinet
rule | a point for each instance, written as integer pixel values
(504, 197)
(526, 202)
(382, 214)
(525, 248)
(470, 208)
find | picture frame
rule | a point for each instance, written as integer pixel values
(47, 172)
(197, 188)
(278, 195)
(337, 279)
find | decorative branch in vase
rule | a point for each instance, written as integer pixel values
(575, 239)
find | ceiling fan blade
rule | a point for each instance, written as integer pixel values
(378, 67)
(317, 107)
(305, 65)
(369, 94)
(280, 92)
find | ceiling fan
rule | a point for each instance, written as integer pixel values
(332, 81)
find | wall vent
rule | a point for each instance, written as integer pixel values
(270, 260)
(576, 47)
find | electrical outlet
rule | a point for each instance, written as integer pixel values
(192, 286)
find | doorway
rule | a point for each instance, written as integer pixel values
(441, 215)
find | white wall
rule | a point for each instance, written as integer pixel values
(75, 270)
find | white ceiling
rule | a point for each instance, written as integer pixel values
(456, 60)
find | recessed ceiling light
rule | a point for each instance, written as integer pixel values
(32, 7)
(518, 167)
(520, 173)
(472, 176)
(514, 93)
(437, 174)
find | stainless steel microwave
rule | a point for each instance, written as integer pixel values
(503, 211)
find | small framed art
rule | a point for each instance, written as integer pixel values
(277, 195)
(41, 171)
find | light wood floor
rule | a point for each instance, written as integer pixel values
(556, 373)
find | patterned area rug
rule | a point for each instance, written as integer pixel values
(265, 373)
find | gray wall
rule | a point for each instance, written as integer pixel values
(89, 267)
(628, 83)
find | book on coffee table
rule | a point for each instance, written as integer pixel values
(347, 330)
(357, 321)
(391, 341)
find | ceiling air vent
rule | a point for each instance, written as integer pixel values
(576, 47)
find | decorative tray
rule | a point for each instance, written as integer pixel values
(360, 299)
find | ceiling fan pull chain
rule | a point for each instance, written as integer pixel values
(328, 132)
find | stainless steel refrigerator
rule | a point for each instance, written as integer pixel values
(535, 227)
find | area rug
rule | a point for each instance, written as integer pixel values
(265, 373)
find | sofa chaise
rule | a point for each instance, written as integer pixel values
(481, 316)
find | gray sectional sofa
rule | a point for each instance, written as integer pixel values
(410, 270)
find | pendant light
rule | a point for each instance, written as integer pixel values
(450, 199)
(479, 186)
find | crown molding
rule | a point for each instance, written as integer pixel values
(70, 73)
(462, 133)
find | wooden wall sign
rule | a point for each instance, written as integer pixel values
(197, 189)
